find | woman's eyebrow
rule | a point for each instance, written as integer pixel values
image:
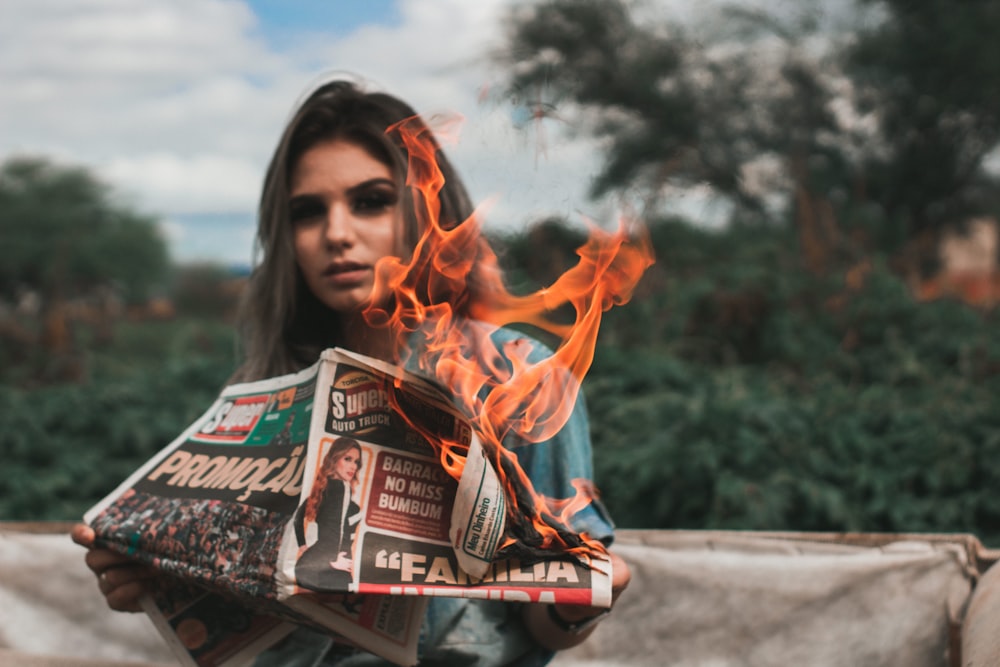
(303, 198)
(365, 185)
(351, 191)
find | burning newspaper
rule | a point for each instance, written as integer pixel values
(323, 498)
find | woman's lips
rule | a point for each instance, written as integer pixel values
(348, 273)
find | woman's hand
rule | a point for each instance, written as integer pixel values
(343, 562)
(121, 580)
(546, 632)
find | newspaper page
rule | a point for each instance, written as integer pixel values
(210, 511)
(322, 498)
(206, 629)
(411, 529)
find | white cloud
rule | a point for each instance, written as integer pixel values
(145, 44)
(178, 103)
(173, 231)
(95, 80)
(182, 184)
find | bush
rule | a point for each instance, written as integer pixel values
(831, 407)
(735, 391)
(66, 446)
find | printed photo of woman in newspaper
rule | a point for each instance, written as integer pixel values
(325, 524)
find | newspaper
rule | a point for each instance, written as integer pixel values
(322, 498)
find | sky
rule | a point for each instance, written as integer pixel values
(177, 104)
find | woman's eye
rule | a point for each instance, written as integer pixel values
(305, 210)
(374, 202)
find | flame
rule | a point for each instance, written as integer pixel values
(501, 391)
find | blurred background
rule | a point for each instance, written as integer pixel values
(815, 349)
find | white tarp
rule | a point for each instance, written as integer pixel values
(50, 607)
(739, 599)
(705, 599)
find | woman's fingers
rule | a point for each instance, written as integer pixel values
(621, 575)
(100, 560)
(120, 579)
(83, 535)
(122, 585)
(124, 575)
(124, 596)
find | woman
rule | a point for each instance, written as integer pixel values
(334, 202)
(331, 509)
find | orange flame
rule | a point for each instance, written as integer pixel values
(501, 391)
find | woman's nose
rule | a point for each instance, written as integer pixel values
(339, 225)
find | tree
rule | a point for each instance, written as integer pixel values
(64, 237)
(930, 71)
(765, 107)
(746, 108)
(591, 54)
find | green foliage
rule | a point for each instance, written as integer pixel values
(58, 227)
(932, 71)
(875, 127)
(205, 290)
(691, 447)
(66, 446)
(826, 408)
(735, 391)
(156, 347)
(675, 106)
(539, 255)
(593, 53)
(739, 391)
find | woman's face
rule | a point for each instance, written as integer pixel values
(347, 467)
(345, 214)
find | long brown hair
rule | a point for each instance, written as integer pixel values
(283, 326)
(337, 451)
